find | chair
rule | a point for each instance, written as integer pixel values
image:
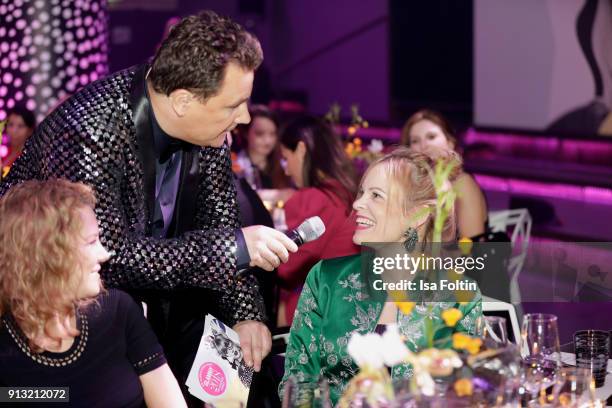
(520, 222)
(494, 307)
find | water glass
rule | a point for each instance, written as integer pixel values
(574, 388)
(540, 352)
(591, 348)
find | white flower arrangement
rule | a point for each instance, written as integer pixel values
(376, 146)
(372, 352)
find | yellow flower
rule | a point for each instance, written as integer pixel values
(350, 149)
(351, 130)
(451, 316)
(357, 141)
(463, 387)
(405, 307)
(400, 300)
(365, 124)
(465, 245)
(474, 346)
(460, 341)
(464, 342)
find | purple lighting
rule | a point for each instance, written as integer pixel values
(39, 45)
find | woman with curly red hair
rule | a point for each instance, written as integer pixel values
(59, 327)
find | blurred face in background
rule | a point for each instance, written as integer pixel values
(262, 136)
(426, 135)
(294, 163)
(17, 130)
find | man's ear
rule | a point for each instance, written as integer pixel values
(180, 100)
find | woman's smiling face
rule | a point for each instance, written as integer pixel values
(379, 213)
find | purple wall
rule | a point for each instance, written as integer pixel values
(346, 47)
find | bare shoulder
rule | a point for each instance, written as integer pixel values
(465, 183)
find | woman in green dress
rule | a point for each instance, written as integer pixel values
(337, 300)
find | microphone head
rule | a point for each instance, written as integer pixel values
(311, 229)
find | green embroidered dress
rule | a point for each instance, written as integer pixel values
(335, 303)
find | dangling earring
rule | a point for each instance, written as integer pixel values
(411, 239)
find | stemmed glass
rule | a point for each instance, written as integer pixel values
(540, 353)
(492, 329)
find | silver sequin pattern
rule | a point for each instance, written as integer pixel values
(91, 137)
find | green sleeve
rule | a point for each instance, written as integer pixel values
(302, 359)
(471, 311)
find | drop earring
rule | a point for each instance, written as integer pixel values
(411, 239)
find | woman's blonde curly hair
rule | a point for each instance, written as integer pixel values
(411, 176)
(40, 229)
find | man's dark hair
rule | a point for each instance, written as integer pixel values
(196, 52)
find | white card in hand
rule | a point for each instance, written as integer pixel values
(219, 375)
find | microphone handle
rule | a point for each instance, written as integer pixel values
(295, 237)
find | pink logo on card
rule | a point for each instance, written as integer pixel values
(212, 379)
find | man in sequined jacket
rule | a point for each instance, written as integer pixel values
(151, 141)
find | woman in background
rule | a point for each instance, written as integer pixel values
(325, 178)
(427, 130)
(59, 327)
(20, 124)
(259, 159)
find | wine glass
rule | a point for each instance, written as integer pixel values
(574, 387)
(492, 329)
(540, 353)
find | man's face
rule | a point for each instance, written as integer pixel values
(207, 123)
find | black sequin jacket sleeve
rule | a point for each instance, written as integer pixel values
(92, 138)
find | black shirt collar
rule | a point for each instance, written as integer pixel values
(165, 145)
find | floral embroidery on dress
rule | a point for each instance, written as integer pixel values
(326, 355)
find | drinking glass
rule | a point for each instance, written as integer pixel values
(492, 329)
(574, 387)
(540, 353)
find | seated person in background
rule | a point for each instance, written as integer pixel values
(324, 175)
(259, 159)
(20, 124)
(426, 130)
(59, 327)
(335, 301)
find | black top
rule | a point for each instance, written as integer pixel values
(101, 368)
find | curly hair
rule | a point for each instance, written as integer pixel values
(411, 175)
(197, 51)
(432, 116)
(40, 226)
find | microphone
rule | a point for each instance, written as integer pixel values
(309, 230)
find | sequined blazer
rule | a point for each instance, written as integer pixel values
(102, 136)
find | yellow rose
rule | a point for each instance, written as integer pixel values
(451, 316)
(474, 346)
(405, 307)
(461, 341)
(463, 387)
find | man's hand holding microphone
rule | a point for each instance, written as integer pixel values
(267, 249)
